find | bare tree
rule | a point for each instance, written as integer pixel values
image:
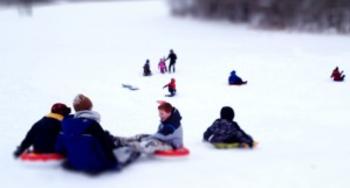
(283, 14)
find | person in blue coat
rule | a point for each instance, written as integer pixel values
(86, 145)
(235, 80)
(225, 130)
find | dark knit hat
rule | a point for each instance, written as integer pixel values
(167, 107)
(60, 108)
(81, 103)
(227, 113)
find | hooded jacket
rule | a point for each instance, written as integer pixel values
(170, 130)
(224, 131)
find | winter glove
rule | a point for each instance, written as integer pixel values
(141, 137)
(18, 152)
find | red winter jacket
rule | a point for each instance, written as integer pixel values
(336, 75)
(171, 85)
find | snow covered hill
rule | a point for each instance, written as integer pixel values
(290, 105)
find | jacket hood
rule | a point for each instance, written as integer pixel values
(89, 115)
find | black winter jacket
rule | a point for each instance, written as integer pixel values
(42, 136)
(224, 131)
(172, 57)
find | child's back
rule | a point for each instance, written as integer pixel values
(225, 130)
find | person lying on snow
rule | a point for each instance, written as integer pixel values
(225, 130)
(171, 87)
(169, 135)
(337, 75)
(42, 136)
(86, 145)
(235, 80)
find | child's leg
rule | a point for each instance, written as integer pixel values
(151, 145)
(128, 141)
(169, 69)
(126, 155)
(172, 92)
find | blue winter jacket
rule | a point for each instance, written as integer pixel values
(234, 79)
(86, 146)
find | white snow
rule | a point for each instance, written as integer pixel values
(290, 106)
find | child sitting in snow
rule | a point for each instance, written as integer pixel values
(225, 130)
(169, 135)
(42, 136)
(235, 80)
(171, 87)
(162, 65)
(337, 75)
(147, 69)
(86, 145)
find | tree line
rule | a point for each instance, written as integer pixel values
(311, 15)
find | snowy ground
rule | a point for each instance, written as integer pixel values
(290, 104)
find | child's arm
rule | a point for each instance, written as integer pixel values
(207, 134)
(27, 142)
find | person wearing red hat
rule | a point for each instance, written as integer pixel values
(42, 136)
(168, 136)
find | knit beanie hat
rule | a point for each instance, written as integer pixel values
(227, 113)
(60, 108)
(81, 103)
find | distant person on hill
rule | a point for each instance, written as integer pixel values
(172, 56)
(171, 87)
(147, 69)
(337, 75)
(42, 136)
(225, 130)
(235, 80)
(162, 65)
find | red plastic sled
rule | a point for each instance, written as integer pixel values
(173, 153)
(41, 157)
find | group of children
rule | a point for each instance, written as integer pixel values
(162, 64)
(87, 147)
(163, 69)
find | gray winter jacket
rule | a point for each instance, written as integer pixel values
(170, 130)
